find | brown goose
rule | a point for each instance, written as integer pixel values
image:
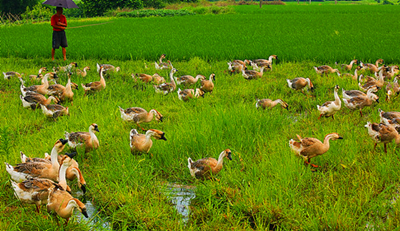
(300, 83)
(97, 85)
(87, 139)
(208, 85)
(308, 148)
(139, 115)
(140, 143)
(325, 69)
(268, 103)
(207, 167)
(382, 133)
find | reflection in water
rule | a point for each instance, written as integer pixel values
(180, 196)
(94, 220)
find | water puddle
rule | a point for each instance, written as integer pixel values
(180, 196)
(94, 219)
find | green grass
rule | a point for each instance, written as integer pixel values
(325, 33)
(264, 186)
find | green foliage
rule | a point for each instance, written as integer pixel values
(17, 6)
(39, 12)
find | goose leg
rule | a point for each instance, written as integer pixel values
(361, 112)
(38, 208)
(385, 147)
(307, 162)
(319, 116)
(375, 146)
(141, 127)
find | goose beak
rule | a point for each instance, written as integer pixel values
(85, 213)
(161, 119)
(63, 141)
(229, 156)
(340, 138)
(83, 187)
(71, 155)
(163, 137)
(377, 100)
(97, 129)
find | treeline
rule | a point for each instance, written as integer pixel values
(88, 8)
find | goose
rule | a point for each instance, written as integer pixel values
(10, 74)
(392, 88)
(73, 172)
(42, 89)
(83, 72)
(360, 102)
(389, 72)
(300, 83)
(68, 68)
(308, 148)
(63, 204)
(157, 79)
(355, 93)
(54, 110)
(107, 67)
(33, 99)
(389, 117)
(325, 69)
(140, 143)
(208, 85)
(382, 133)
(373, 67)
(143, 77)
(355, 76)
(252, 74)
(329, 108)
(187, 94)
(97, 85)
(58, 89)
(166, 88)
(51, 76)
(371, 81)
(264, 62)
(348, 67)
(268, 103)
(207, 167)
(188, 79)
(87, 139)
(236, 67)
(163, 65)
(139, 115)
(36, 190)
(42, 69)
(45, 170)
(240, 62)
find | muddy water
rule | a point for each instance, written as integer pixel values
(180, 196)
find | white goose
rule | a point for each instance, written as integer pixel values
(329, 108)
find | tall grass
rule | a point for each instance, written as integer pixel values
(264, 187)
(325, 33)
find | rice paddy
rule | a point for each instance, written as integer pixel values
(265, 186)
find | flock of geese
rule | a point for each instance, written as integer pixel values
(44, 180)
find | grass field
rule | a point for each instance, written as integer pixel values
(325, 33)
(265, 186)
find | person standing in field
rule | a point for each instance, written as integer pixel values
(59, 22)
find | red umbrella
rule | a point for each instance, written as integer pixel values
(61, 3)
